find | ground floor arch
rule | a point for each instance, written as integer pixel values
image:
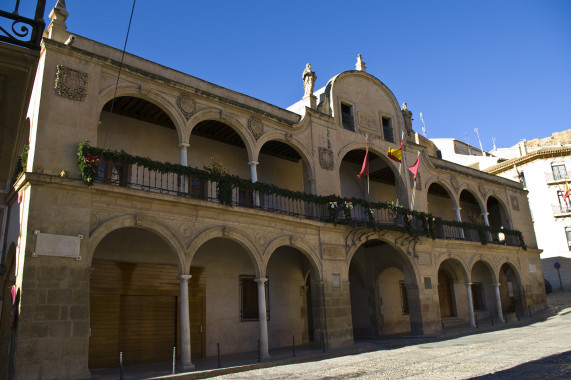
(454, 293)
(511, 292)
(135, 299)
(383, 292)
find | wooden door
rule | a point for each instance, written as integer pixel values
(197, 327)
(104, 339)
(147, 328)
(444, 295)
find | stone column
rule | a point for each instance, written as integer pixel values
(254, 175)
(184, 162)
(499, 303)
(470, 304)
(459, 219)
(183, 153)
(185, 363)
(264, 353)
(487, 223)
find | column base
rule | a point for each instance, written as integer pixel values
(184, 367)
(265, 356)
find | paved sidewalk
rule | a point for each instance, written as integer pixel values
(533, 348)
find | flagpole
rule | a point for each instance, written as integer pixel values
(414, 186)
(368, 194)
(400, 163)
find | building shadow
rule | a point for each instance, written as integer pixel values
(551, 367)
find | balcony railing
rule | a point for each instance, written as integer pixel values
(557, 177)
(561, 209)
(23, 31)
(97, 165)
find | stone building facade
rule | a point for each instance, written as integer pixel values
(131, 250)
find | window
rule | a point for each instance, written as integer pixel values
(347, 117)
(478, 298)
(388, 129)
(568, 233)
(403, 297)
(559, 171)
(197, 188)
(564, 204)
(249, 298)
(111, 172)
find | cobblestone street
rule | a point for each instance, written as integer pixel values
(541, 350)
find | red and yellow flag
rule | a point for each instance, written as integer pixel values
(365, 168)
(396, 154)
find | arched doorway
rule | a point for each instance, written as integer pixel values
(452, 293)
(511, 292)
(291, 278)
(483, 291)
(135, 299)
(383, 291)
(231, 296)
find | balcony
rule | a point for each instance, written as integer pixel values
(561, 210)
(98, 165)
(557, 177)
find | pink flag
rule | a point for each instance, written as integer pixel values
(414, 168)
(365, 168)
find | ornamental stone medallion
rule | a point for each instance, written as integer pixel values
(186, 105)
(366, 121)
(326, 158)
(454, 183)
(70, 83)
(256, 127)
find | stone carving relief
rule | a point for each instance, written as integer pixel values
(261, 239)
(70, 83)
(515, 203)
(185, 230)
(186, 105)
(256, 126)
(326, 158)
(145, 89)
(366, 121)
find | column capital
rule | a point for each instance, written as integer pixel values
(183, 145)
(468, 283)
(184, 277)
(261, 280)
(496, 284)
(253, 163)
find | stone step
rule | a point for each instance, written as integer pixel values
(454, 322)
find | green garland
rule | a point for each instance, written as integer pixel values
(89, 157)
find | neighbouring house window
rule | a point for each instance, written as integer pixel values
(347, 117)
(111, 172)
(568, 234)
(403, 298)
(249, 298)
(388, 129)
(559, 171)
(478, 298)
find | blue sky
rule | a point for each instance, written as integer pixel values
(501, 66)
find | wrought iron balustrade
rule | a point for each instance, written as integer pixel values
(561, 209)
(557, 176)
(20, 30)
(122, 170)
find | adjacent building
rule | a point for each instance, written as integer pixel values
(166, 211)
(541, 167)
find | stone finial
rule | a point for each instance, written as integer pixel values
(360, 64)
(57, 28)
(309, 78)
(403, 108)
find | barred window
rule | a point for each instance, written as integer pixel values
(249, 298)
(347, 117)
(388, 129)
